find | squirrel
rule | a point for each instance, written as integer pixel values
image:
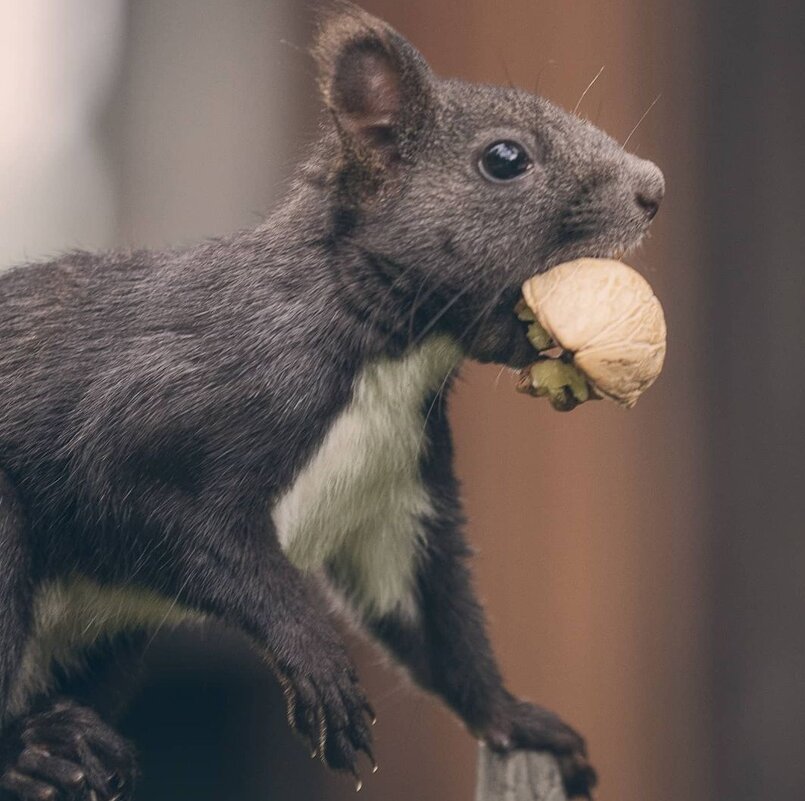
(216, 431)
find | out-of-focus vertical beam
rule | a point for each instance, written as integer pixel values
(754, 140)
(56, 71)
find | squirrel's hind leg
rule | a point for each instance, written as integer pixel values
(57, 747)
(16, 589)
(64, 747)
(63, 751)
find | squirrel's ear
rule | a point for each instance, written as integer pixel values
(375, 83)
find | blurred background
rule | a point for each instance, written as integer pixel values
(644, 573)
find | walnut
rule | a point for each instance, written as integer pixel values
(608, 324)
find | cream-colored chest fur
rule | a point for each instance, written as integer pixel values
(357, 506)
(75, 613)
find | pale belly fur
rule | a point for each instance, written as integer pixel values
(358, 504)
(73, 614)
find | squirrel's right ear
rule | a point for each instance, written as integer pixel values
(376, 84)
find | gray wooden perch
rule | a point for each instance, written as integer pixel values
(519, 776)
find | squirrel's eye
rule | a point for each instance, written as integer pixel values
(504, 161)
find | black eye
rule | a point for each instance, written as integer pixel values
(504, 161)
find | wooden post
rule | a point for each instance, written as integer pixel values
(519, 776)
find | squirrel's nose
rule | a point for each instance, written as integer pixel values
(649, 187)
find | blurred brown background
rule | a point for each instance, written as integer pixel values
(644, 572)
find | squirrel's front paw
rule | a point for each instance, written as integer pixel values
(328, 708)
(65, 752)
(527, 726)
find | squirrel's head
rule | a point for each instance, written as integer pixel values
(456, 192)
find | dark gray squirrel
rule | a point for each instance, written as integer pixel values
(212, 432)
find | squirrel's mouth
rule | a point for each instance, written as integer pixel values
(560, 256)
(496, 335)
(615, 247)
(504, 339)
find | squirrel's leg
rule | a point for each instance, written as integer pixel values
(447, 651)
(241, 576)
(445, 645)
(56, 748)
(64, 747)
(16, 592)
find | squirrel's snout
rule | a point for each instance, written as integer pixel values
(649, 187)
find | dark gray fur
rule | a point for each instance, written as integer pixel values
(153, 405)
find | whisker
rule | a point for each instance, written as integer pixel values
(168, 613)
(645, 114)
(479, 318)
(415, 304)
(486, 310)
(420, 299)
(506, 70)
(447, 306)
(294, 46)
(394, 283)
(436, 398)
(589, 86)
(308, 68)
(549, 63)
